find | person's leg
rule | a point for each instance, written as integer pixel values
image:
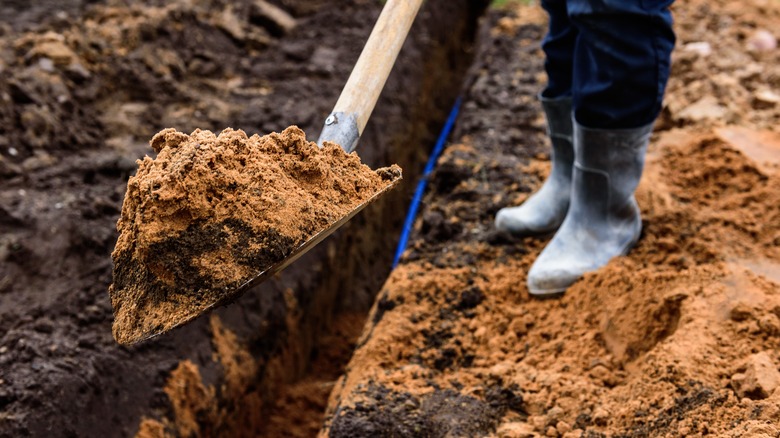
(545, 210)
(621, 68)
(558, 47)
(621, 61)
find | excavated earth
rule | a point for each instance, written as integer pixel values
(679, 338)
(84, 85)
(211, 213)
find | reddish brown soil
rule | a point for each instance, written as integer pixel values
(211, 213)
(202, 410)
(300, 409)
(679, 338)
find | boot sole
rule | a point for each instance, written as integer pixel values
(546, 294)
(542, 234)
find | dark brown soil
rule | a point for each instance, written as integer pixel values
(211, 213)
(82, 93)
(679, 338)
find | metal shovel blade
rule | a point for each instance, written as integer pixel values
(145, 327)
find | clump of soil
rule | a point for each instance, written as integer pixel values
(210, 213)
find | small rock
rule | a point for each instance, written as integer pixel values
(518, 327)
(55, 50)
(258, 39)
(554, 414)
(760, 378)
(230, 23)
(770, 324)
(551, 432)
(563, 427)
(538, 422)
(753, 328)
(761, 41)
(766, 98)
(701, 48)
(77, 71)
(600, 416)
(741, 312)
(46, 64)
(602, 373)
(276, 19)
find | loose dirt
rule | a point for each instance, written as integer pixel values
(679, 338)
(210, 213)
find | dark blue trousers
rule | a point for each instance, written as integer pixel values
(611, 56)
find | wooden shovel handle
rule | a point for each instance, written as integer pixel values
(362, 90)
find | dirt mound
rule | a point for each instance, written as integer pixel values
(681, 337)
(210, 213)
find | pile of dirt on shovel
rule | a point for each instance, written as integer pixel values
(211, 212)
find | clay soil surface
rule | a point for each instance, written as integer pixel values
(679, 338)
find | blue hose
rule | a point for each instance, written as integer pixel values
(423, 183)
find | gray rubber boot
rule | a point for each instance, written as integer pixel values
(603, 219)
(544, 211)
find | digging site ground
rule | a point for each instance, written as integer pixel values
(680, 338)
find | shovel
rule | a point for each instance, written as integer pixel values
(343, 126)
